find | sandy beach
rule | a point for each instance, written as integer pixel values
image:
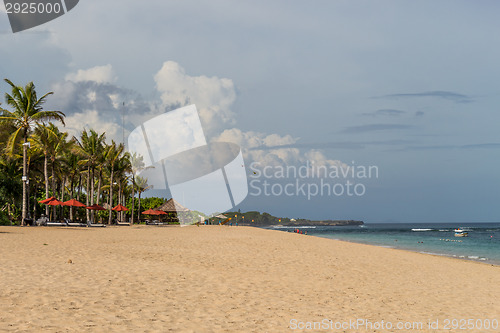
(230, 279)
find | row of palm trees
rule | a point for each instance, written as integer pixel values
(38, 157)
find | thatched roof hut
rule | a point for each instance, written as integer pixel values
(172, 206)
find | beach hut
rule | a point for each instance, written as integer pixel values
(174, 209)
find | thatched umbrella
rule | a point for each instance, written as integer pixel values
(172, 206)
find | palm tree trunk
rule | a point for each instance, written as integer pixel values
(62, 194)
(99, 186)
(92, 194)
(79, 187)
(111, 196)
(25, 176)
(133, 197)
(46, 177)
(139, 213)
(34, 203)
(72, 189)
(88, 192)
(53, 189)
(120, 202)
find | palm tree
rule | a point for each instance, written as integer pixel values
(122, 168)
(112, 154)
(41, 141)
(141, 186)
(26, 112)
(137, 165)
(91, 146)
(71, 160)
(58, 145)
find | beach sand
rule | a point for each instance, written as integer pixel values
(228, 279)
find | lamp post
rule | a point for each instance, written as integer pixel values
(25, 179)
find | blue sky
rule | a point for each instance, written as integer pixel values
(410, 87)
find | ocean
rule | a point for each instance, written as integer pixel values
(482, 244)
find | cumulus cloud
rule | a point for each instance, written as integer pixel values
(274, 149)
(98, 74)
(213, 96)
(90, 99)
(112, 105)
(91, 119)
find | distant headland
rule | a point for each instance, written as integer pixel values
(254, 218)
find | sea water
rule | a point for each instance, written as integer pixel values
(482, 243)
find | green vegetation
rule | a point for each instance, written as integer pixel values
(38, 160)
(264, 219)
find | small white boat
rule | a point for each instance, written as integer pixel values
(459, 232)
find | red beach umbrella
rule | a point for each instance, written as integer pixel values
(120, 208)
(150, 212)
(45, 201)
(54, 202)
(96, 207)
(73, 203)
(160, 212)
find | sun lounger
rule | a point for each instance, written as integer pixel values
(116, 222)
(69, 223)
(95, 225)
(122, 223)
(56, 224)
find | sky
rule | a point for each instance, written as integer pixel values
(409, 88)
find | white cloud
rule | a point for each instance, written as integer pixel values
(90, 101)
(99, 74)
(91, 119)
(274, 157)
(92, 96)
(213, 96)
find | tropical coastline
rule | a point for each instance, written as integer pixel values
(482, 243)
